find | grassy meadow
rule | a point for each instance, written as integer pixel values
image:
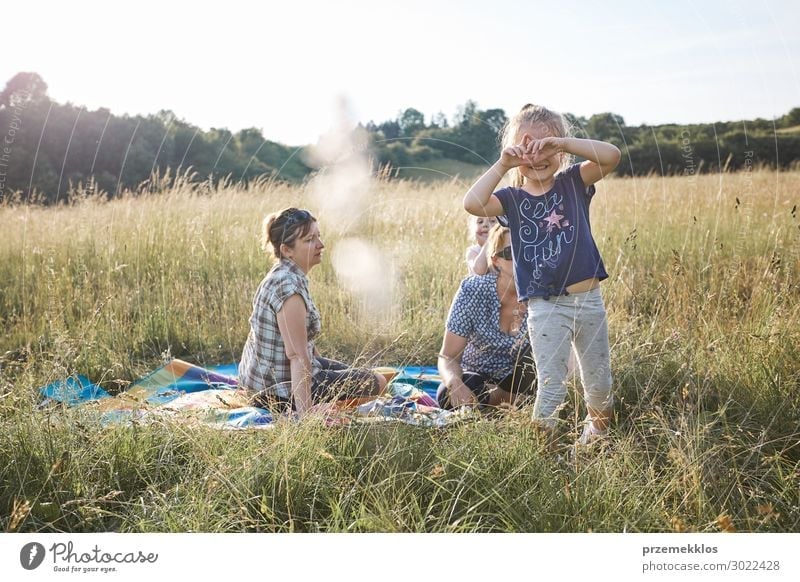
(704, 313)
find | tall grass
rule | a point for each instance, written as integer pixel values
(704, 315)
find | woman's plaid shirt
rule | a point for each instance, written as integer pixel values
(264, 365)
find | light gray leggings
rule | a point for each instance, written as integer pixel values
(555, 326)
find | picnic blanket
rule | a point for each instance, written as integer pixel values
(211, 396)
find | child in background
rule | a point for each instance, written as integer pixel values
(478, 228)
(557, 266)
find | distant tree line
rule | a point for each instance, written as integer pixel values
(663, 149)
(49, 151)
(408, 141)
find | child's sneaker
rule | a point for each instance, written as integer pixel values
(591, 433)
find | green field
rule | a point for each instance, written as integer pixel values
(437, 169)
(704, 314)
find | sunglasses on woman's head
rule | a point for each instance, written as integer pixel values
(504, 254)
(296, 216)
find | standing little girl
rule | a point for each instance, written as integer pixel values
(557, 266)
(478, 228)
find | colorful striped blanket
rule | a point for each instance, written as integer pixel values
(211, 396)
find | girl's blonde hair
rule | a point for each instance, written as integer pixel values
(494, 242)
(531, 114)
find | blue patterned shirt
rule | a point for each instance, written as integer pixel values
(475, 315)
(551, 239)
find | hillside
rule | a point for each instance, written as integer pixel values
(56, 151)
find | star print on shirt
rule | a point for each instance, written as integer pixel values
(553, 221)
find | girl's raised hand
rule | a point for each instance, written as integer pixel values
(513, 156)
(541, 149)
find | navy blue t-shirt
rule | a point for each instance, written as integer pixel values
(551, 239)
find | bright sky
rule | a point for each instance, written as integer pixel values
(281, 66)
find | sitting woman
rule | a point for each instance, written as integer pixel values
(486, 354)
(279, 360)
